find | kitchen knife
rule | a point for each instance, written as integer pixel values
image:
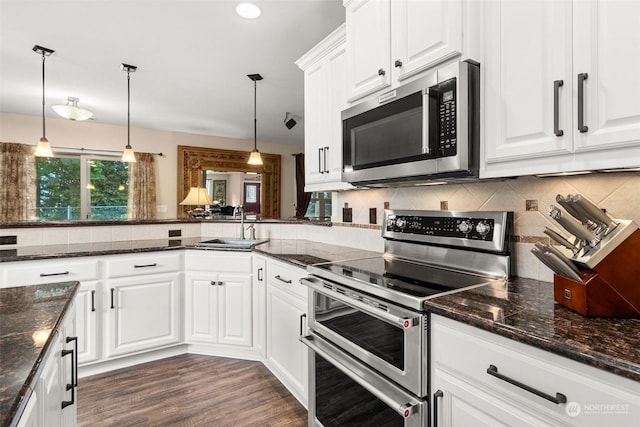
(574, 227)
(550, 249)
(555, 264)
(559, 239)
(593, 211)
(573, 210)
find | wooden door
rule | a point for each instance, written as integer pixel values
(251, 198)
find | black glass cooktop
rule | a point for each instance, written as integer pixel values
(393, 275)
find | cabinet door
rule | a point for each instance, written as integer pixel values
(315, 87)
(145, 313)
(31, 414)
(286, 355)
(260, 306)
(423, 34)
(462, 404)
(201, 308)
(528, 47)
(606, 41)
(87, 314)
(234, 309)
(368, 46)
(51, 385)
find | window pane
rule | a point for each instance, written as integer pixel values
(109, 188)
(58, 188)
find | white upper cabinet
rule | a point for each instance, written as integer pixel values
(560, 86)
(369, 46)
(606, 47)
(389, 41)
(325, 96)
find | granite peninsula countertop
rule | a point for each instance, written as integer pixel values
(25, 311)
(524, 310)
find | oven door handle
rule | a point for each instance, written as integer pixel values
(405, 322)
(404, 409)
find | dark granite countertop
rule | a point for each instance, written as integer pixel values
(525, 311)
(93, 223)
(24, 312)
(304, 252)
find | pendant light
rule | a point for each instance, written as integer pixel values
(71, 111)
(255, 158)
(43, 149)
(128, 155)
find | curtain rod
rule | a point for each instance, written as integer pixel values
(70, 150)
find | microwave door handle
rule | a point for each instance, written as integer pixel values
(425, 122)
(402, 322)
(404, 409)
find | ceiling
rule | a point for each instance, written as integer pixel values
(193, 58)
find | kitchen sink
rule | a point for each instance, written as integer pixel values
(232, 243)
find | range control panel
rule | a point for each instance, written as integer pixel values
(476, 228)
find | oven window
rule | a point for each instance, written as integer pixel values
(341, 402)
(367, 332)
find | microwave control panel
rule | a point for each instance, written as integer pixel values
(443, 120)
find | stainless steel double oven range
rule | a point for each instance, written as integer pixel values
(368, 330)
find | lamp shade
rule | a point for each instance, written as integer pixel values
(255, 158)
(197, 196)
(43, 149)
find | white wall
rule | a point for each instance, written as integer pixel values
(93, 135)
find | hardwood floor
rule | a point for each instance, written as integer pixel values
(188, 390)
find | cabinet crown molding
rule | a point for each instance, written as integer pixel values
(323, 48)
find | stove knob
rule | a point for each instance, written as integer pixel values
(465, 227)
(483, 228)
(401, 223)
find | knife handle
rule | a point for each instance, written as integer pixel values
(559, 239)
(574, 227)
(571, 209)
(593, 211)
(563, 257)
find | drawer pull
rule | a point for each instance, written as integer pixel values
(558, 399)
(145, 265)
(438, 394)
(260, 270)
(283, 280)
(64, 273)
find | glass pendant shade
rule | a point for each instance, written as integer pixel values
(255, 158)
(128, 156)
(197, 196)
(71, 111)
(43, 149)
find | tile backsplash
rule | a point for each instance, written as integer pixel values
(528, 197)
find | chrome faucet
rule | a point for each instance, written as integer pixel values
(240, 210)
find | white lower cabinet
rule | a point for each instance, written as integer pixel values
(88, 321)
(286, 321)
(56, 387)
(219, 302)
(31, 414)
(144, 313)
(482, 379)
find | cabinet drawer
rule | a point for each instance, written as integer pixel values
(218, 262)
(36, 272)
(151, 263)
(286, 278)
(467, 353)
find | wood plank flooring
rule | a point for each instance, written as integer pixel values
(188, 390)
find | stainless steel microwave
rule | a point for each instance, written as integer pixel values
(428, 129)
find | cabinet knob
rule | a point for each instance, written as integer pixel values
(381, 72)
(398, 63)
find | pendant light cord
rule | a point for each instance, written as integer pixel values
(255, 119)
(128, 109)
(43, 109)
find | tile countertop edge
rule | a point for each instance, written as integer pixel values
(595, 359)
(20, 402)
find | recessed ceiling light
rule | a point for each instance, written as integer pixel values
(248, 10)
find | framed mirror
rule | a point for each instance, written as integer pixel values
(193, 161)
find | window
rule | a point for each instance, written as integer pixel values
(81, 187)
(320, 205)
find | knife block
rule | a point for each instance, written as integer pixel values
(610, 289)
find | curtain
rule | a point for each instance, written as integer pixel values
(17, 182)
(142, 187)
(302, 198)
